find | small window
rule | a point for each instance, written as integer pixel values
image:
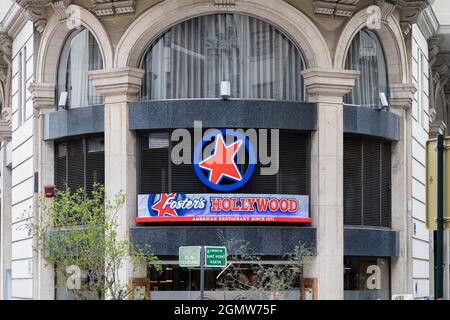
(80, 54)
(366, 55)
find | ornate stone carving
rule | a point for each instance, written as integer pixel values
(409, 12)
(103, 8)
(224, 3)
(36, 11)
(439, 87)
(338, 8)
(5, 75)
(402, 96)
(60, 7)
(386, 9)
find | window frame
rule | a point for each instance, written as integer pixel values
(63, 69)
(381, 66)
(289, 40)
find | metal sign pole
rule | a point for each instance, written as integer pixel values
(202, 273)
(439, 290)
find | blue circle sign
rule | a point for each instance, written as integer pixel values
(220, 168)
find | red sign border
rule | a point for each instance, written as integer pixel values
(236, 219)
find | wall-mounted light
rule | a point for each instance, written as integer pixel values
(63, 100)
(383, 100)
(225, 89)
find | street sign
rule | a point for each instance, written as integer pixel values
(431, 184)
(189, 256)
(215, 257)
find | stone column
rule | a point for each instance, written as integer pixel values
(120, 87)
(327, 88)
(5, 207)
(43, 97)
(402, 96)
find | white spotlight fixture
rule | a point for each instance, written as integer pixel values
(63, 100)
(225, 89)
(383, 100)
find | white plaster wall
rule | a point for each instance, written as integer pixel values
(420, 128)
(22, 170)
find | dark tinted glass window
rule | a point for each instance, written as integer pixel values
(157, 173)
(366, 55)
(192, 58)
(80, 163)
(81, 53)
(367, 182)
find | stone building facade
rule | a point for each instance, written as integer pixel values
(97, 82)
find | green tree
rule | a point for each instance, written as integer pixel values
(269, 280)
(77, 233)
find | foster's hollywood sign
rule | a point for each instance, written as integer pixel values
(182, 207)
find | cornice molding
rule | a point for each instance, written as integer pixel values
(105, 8)
(329, 84)
(428, 23)
(402, 96)
(43, 96)
(409, 12)
(337, 8)
(35, 11)
(117, 85)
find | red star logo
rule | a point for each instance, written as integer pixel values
(162, 207)
(221, 163)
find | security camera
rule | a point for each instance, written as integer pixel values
(383, 100)
(225, 89)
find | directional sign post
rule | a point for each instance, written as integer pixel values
(202, 256)
(189, 257)
(215, 257)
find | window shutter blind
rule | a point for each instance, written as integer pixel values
(95, 163)
(367, 182)
(154, 163)
(371, 183)
(386, 206)
(352, 181)
(75, 164)
(79, 163)
(158, 174)
(61, 166)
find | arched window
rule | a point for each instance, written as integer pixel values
(191, 59)
(80, 54)
(366, 55)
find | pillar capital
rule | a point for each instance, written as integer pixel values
(437, 127)
(402, 96)
(5, 130)
(117, 85)
(43, 96)
(329, 85)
